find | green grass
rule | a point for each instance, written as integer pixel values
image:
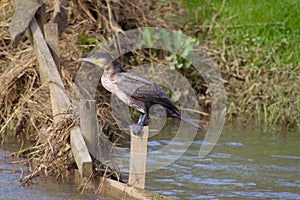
(273, 26)
(266, 36)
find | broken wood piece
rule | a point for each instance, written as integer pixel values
(80, 153)
(115, 190)
(112, 189)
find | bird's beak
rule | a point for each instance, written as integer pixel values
(89, 60)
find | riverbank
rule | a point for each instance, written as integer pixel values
(260, 85)
(257, 47)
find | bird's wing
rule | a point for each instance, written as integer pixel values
(143, 89)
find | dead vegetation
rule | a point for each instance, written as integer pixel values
(25, 108)
(51, 153)
(24, 102)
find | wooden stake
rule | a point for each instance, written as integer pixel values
(88, 124)
(51, 37)
(59, 100)
(40, 17)
(138, 158)
(80, 153)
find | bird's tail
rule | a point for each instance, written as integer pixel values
(191, 122)
(179, 116)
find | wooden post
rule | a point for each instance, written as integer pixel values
(80, 153)
(40, 17)
(59, 100)
(51, 37)
(138, 158)
(88, 124)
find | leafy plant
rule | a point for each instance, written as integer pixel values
(177, 41)
(85, 40)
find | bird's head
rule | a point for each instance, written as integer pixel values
(103, 60)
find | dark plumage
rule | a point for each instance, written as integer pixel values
(136, 91)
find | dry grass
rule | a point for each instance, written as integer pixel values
(25, 108)
(51, 155)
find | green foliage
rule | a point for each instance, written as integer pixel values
(181, 44)
(148, 37)
(271, 26)
(265, 35)
(85, 40)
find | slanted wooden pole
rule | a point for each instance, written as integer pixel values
(59, 100)
(51, 37)
(138, 158)
(40, 17)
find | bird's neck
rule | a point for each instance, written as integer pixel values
(109, 77)
(108, 80)
(112, 69)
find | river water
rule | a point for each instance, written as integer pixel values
(11, 170)
(243, 165)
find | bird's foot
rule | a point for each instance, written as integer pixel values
(137, 129)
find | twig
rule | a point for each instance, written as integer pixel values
(113, 27)
(102, 183)
(218, 13)
(84, 184)
(56, 10)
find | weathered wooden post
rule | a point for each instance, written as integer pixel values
(138, 158)
(59, 100)
(80, 153)
(88, 124)
(51, 37)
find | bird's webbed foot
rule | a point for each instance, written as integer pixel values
(137, 129)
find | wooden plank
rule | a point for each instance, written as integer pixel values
(112, 189)
(59, 100)
(51, 37)
(96, 141)
(88, 124)
(40, 17)
(138, 158)
(80, 153)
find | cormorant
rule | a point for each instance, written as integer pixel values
(136, 91)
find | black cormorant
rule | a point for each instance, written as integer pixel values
(136, 91)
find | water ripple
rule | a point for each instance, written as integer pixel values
(285, 157)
